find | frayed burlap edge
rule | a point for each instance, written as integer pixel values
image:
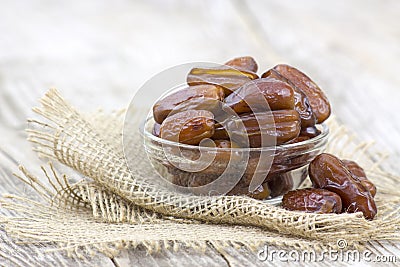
(82, 220)
(91, 144)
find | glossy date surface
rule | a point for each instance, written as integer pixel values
(359, 172)
(328, 172)
(261, 95)
(200, 97)
(302, 104)
(261, 129)
(188, 127)
(227, 77)
(317, 98)
(312, 200)
(243, 63)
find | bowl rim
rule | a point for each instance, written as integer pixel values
(313, 141)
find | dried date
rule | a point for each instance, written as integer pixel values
(223, 154)
(318, 100)
(299, 139)
(156, 129)
(188, 127)
(243, 63)
(228, 78)
(220, 133)
(312, 200)
(261, 192)
(328, 172)
(302, 105)
(359, 172)
(279, 95)
(310, 132)
(284, 125)
(219, 144)
(280, 184)
(200, 97)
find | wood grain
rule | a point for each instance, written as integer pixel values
(15, 253)
(350, 49)
(98, 53)
(167, 258)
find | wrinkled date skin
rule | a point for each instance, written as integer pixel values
(302, 105)
(318, 100)
(284, 125)
(243, 63)
(359, 172)
(188, 127)
(200, 97)
(227, 77)
(312, 200)
(328, 172)
(279, 95)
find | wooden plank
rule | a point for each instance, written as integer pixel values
(14, 254)
(348, 48)
(140, 257)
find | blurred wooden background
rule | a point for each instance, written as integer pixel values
(97, 53)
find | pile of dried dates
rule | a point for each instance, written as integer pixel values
(283, 104)
(339, 186)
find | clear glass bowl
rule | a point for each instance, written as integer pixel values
(196, 169)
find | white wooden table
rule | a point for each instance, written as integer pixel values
(97, 53)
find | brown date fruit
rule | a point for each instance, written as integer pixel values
(248, 177)
(312, 200)
(279, 95)
(284, 125)
(243, 63)
(302, 105)
(299, 139)
(223, 154)
(318, 100)
(311, 132)
(200, 97)
(354, 168)
(227, 77)
(188, 127)
(328, 172)
(156, 129)
(280, 184)
(219, 143)
(220, 132)
(359, 172)
(261, 192)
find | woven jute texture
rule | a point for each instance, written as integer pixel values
(113, 207)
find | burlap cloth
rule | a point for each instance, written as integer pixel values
(112, 207)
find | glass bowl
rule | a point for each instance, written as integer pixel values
(265, 173)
